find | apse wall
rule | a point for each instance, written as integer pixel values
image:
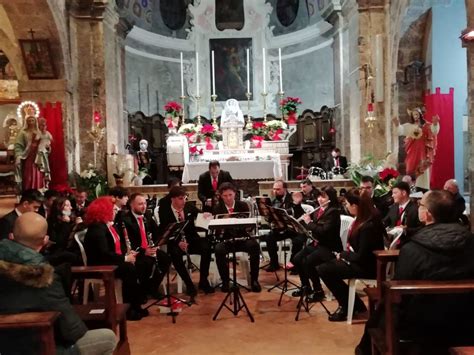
(152, 63)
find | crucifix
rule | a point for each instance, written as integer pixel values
(32, 33)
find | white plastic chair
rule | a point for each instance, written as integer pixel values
(79, 238)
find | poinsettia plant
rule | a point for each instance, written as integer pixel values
(290, 105)
(209, 132)
(173, 108)
(190, 131)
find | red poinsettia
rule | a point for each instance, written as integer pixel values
(290, 104)
(173, 108)
(207, 129)
(387, 174)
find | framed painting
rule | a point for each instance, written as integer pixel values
(230, 56)
(38, 60)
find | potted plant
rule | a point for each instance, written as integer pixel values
(289, 106)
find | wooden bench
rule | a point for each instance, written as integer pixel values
(42, 322)
(388, 342)
(114, 315)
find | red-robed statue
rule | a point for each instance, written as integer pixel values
(420, 145)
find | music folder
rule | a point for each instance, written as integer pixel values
(172, 232)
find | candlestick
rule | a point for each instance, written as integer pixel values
(198, 110)
(248, 70)
(281, 94)
(249, 118)
(182, 74)
(279, 63)
(197, 74)
(182, 97)
(264, 76)
(213, 75)
(213, 110)
(264, 95)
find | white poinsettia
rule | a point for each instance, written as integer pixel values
(187, 128)
(276, 124)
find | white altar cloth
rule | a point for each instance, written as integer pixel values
(257, 169)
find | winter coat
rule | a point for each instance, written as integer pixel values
(438, 252)
(29, 284)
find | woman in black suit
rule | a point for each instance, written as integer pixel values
(365, 235)
(325, 226)
(105, 245)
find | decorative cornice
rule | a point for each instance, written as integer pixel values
(155, 40)
(88, 9)
(300, 36)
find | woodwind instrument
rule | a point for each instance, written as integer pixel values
(127, 240)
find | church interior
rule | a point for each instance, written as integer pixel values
(98, 97)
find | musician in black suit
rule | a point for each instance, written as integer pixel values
(30, 202)
(337, 160)
(49, 197)
(282, 200)
(310, 193)
(180, 211)
(404, 212)
(165, 202)
(382, 203)
(208, 184)
(228, 205)
(151, 263)
(325, 226)
(105, 245)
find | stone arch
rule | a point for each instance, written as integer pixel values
(60, 17)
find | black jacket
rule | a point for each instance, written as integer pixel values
(326, 229)
(167, 216)
(205, 190)
(342, 162)
(133, 230)
(100, 247)
(438, 252)
(6, 224)
(239, 206)
(364, 241)
(29, 284)
(410, 219)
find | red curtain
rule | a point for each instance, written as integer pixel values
(57, 159)
(443, 165)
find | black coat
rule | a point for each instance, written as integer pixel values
(364, 241)
(342, 162)
(6, 224)
(326, 229)
(133, 230)
(29, 284)
(239, 206)
(205, 190)
(166, 216)
(438, 252)
(100, 247)
(410, 219)
(286, 202)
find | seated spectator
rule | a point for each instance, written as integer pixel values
(451, 185)
(80, 202)
(30, 284)
(358, 261)
(49, 197)
(120, 194)
(411, 182)
(30, 201)
(382, 203)
(441, 250)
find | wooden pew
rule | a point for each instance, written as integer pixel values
(42, 322)
(114, 315)
(392, 294)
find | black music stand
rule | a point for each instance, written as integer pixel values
(234, 295)
(283, 220)
(172, 232)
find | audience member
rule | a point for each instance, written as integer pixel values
(30, 284)
(451, 185)
(30, 201)
(49, 197)
(441, 250)
(208, 185)
(366, 234)
(120, 194)
(80, 202)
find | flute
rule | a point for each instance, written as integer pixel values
(315, 210)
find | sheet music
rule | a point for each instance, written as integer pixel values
(202, 221)
(232, 222)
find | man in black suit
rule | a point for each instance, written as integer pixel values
(151, 263)
(282, 200)
(180, 211)
(30, 202)
(228, 205)
(451, 185)
(404, 212)
(208, 184)
(337, 160)
(80, 203)
(310, 193)
(165, 202)
(49, 197)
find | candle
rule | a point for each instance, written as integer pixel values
(279, 63)
(248, 70)
(197, 74)
(264, 79)
(182, 75)
(213, 75)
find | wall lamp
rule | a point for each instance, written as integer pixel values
(467, 36)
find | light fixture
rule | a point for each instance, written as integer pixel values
(467, 36)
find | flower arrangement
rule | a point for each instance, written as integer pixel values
(173, 108)
(189, 130)
(93, 181)
(270, 131)
(194, 151)
(289, 106)
(208, 133)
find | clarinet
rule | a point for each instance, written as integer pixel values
(127, 240)
(183, 239)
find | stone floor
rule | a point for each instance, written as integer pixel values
(275, 330)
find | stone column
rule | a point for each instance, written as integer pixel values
(88, 77)
(470, 73)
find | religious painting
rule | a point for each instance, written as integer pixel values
(173, 13)
(38, 60)
(287, 11)
(230, 57)
(230, 14)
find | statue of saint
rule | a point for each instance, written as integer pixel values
(232, 115)
(420, 145)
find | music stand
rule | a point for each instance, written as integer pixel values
(283, 220)
(172, 232)
(234, 294)
(265, 210)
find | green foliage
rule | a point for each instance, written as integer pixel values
(93, 181)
